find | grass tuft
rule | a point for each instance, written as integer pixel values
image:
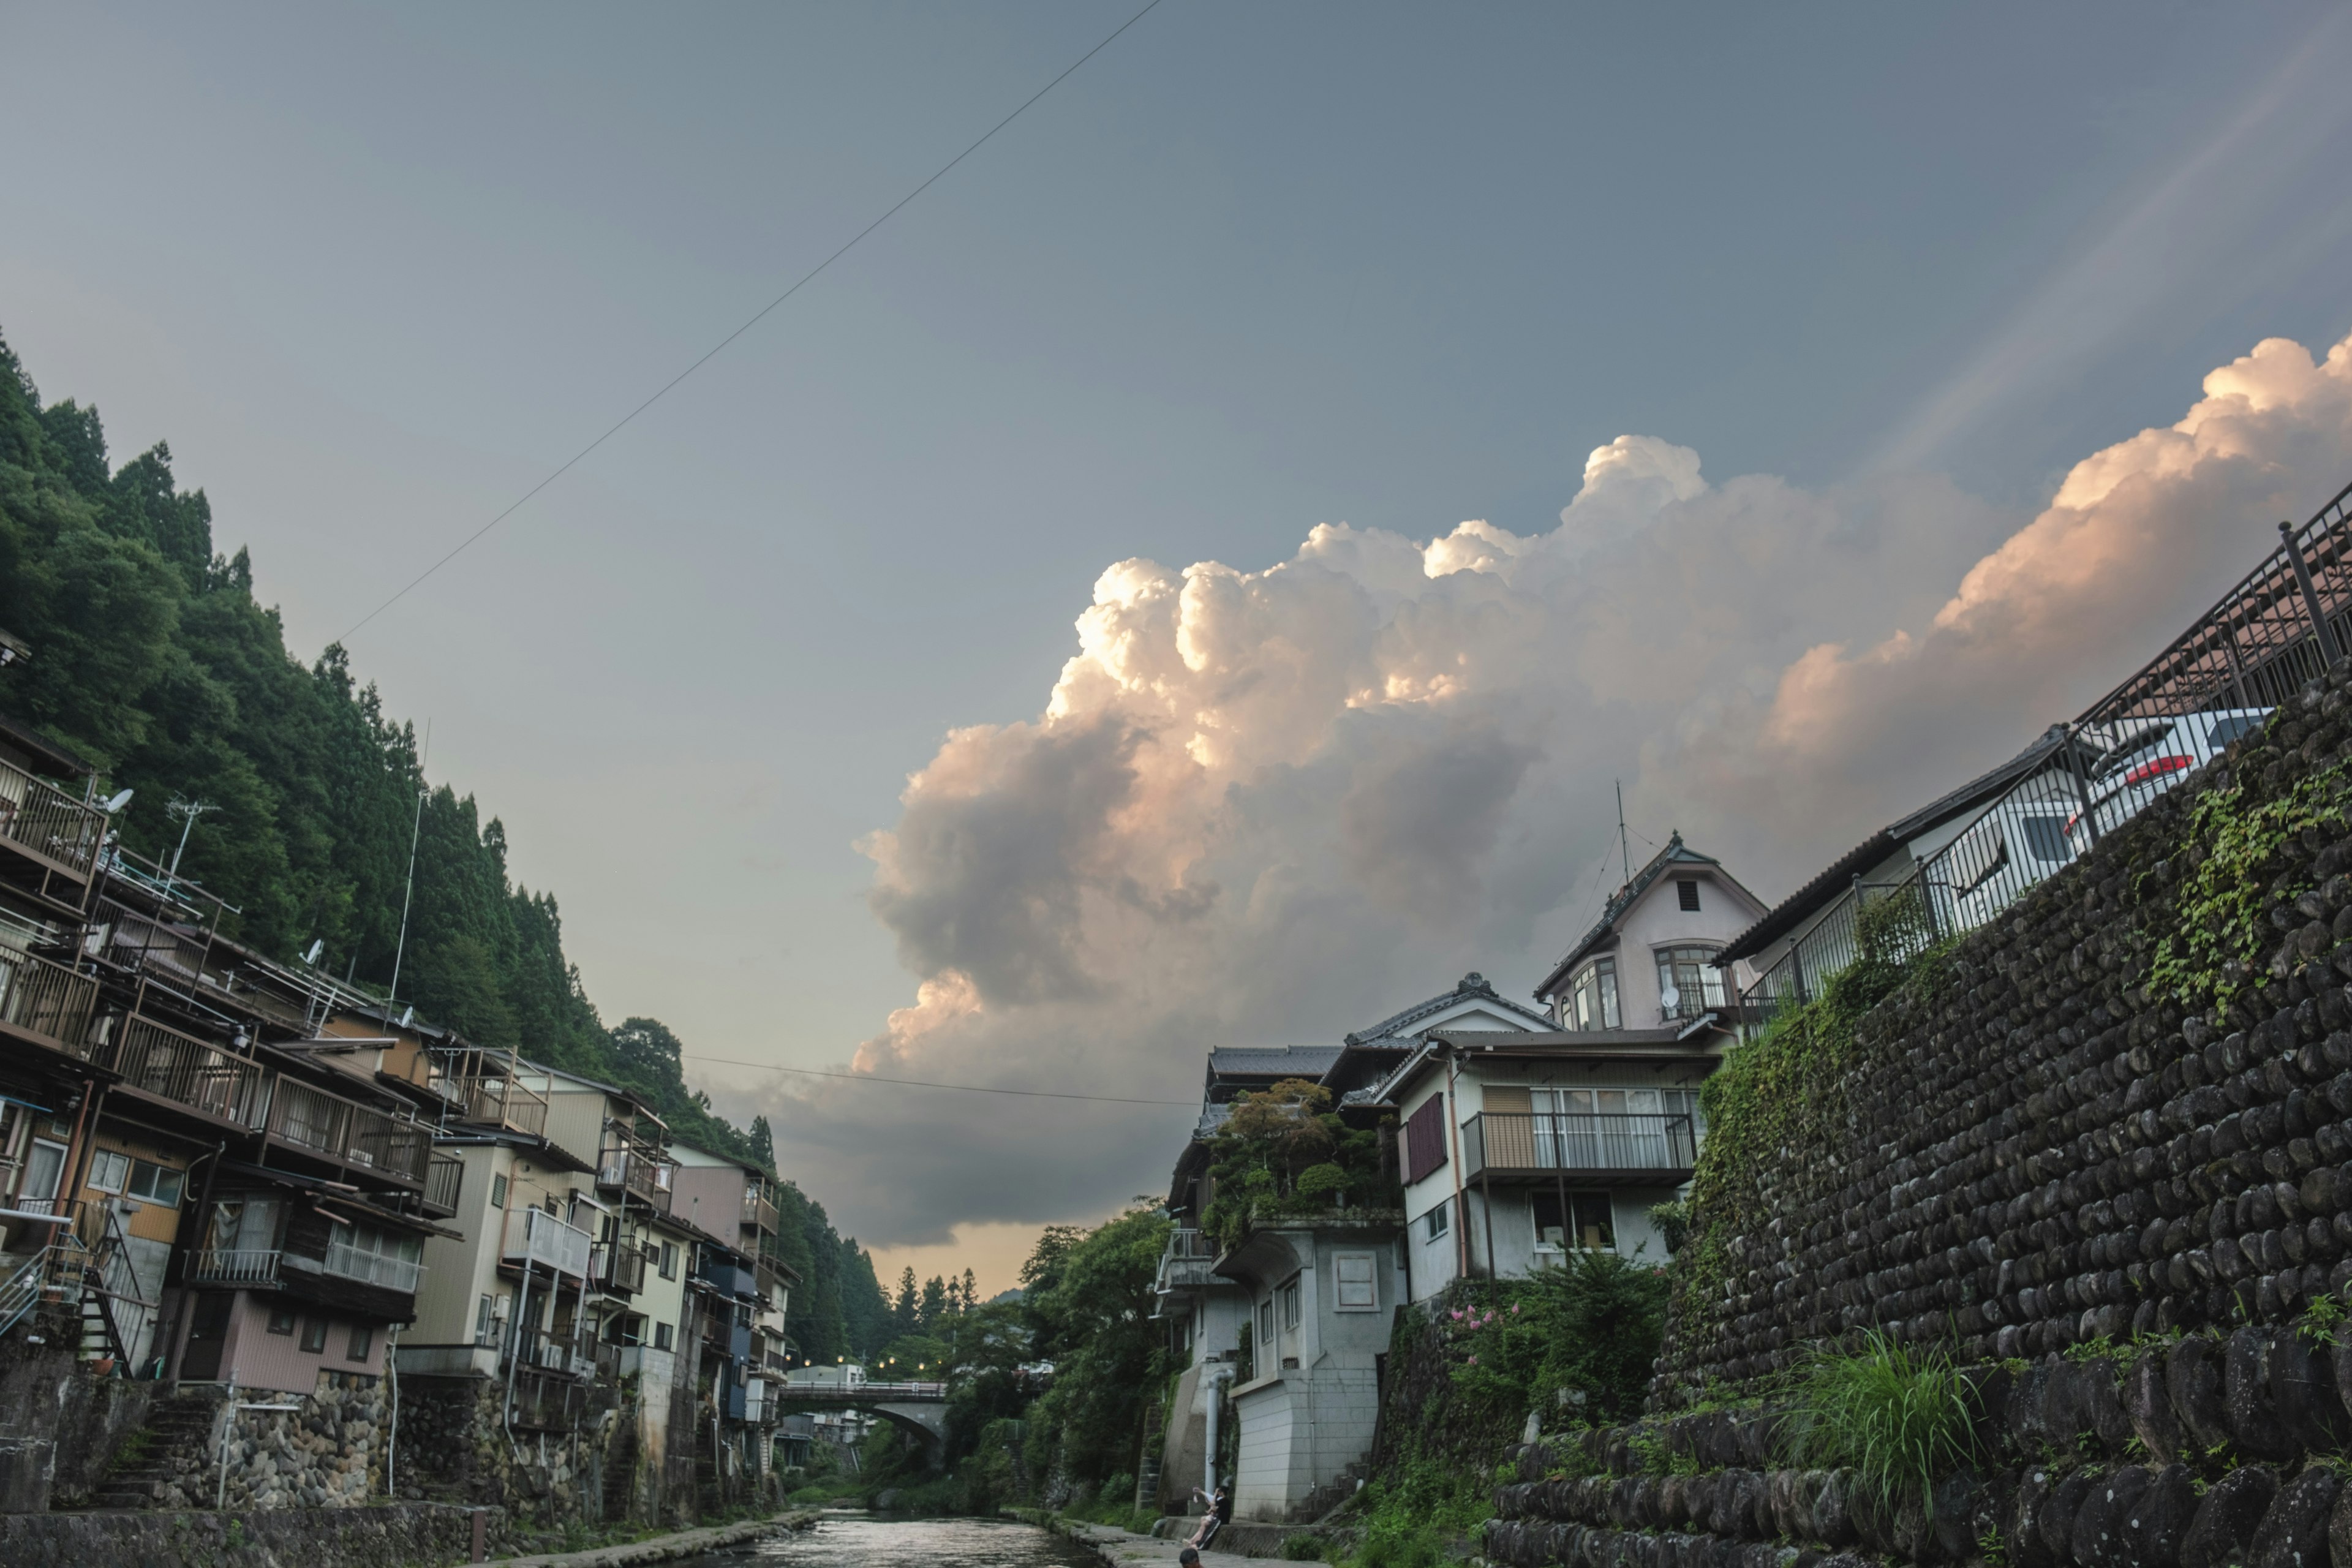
(1898, 1418)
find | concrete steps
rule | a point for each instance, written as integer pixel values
(179, 1433)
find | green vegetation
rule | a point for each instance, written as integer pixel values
(1579, 1338)
(153, 661)
(1283, 1151)
(1897, 1418)
(1420, 1515)
(2213, 944)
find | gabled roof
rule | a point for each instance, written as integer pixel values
(46, 753)
(1400, 1027)
(1687, 1045)
(1675, 854)
(1838, 875)
(1228, 1064)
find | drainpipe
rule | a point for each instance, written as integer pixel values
(392, 1444)
(1218, 1378)
(522, 1303)
(1454, 1135)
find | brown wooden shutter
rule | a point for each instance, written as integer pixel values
(1510, 1124)
(1424, 1138)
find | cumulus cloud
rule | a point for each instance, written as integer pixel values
(1272, 806)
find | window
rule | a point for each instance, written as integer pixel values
(362, 1341)
(1265, 1322)
(1290, 1304)
(669, 1260)
(1590, 1221)
(1593, 997)
(281, 1321)
(497, 1191)
(662, 1332)
(155, 1184)
(1690, 976)
(44, 1169)
(1351, 1276)
(1686, 894)
(482, 1321)
(314, 1334)
(1436, 1221)
(109, 1170)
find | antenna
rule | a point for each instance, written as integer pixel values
(415, 831)
(1624, 850)
(187, 811)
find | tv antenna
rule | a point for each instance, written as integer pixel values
(187, 811)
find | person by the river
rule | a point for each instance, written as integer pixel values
(1218, 1513)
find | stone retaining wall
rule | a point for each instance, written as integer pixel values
(452, 1445)
(396, 1535)
(2041, 1151)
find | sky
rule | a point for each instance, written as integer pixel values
(1194, 574)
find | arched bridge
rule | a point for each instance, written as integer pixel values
(921, 1408)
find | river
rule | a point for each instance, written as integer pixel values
(846, 1540)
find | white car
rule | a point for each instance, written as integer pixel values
(2148, 758)
(2019, 841)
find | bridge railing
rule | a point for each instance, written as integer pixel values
(839, 1393)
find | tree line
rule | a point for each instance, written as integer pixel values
(152, 659)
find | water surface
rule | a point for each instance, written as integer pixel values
(847, 1540)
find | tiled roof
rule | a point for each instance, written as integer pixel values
(1270, 1061)
(1474, 984)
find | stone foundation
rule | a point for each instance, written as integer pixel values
(399, 1535)
(455, 1447)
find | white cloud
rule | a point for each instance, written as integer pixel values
(1274, 805)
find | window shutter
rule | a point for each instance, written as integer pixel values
(1424, 1138)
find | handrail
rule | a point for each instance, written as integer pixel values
(50, 823)
(1571, 1141)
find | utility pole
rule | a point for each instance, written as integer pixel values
(187, 811)
(415, 831)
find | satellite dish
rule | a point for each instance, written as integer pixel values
(316, 948)
(1671, 997)
(118, 802)
(407, 1017)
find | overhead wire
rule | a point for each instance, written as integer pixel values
(926, 1083)
(757, 317)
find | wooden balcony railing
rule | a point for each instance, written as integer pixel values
(160, 1060)
(499, 1099)
(53, 825)
(348, 1132)
(639, 1169)
(46, 1000)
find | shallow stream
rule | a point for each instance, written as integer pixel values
(847, 1540)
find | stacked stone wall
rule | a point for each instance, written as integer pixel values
(2039, 1149)
(455, 1447)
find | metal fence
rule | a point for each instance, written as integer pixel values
(2278, 628)
(1518, 1141)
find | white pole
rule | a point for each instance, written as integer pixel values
(415, 831)
(228, 1426)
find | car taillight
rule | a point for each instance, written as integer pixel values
(2156, 767)
(2072, 817)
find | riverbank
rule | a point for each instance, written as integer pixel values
(1114, 1545)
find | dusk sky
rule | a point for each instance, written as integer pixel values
(1052, 643)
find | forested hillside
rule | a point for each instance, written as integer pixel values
(152, 658)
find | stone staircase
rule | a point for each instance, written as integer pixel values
(621, 1467)
(1319, 1504)
(177, 1454)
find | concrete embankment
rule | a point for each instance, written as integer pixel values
(395, 1535)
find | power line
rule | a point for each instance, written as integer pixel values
(926, 1083)
(760, 315)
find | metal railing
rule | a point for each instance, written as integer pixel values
(1520, 1141)
(759, 1209)
(487, 1088)
(47, 1000)
(2278, 628)
(234, 1266)
(534, 1236)
(354, 1262)
(50, 823)
(620, 1267)
(444, 1179)
(160, 1060)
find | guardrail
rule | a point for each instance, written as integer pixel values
(2278, 628)
(1500, 1141)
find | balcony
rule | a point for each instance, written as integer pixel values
(1523, 1147)
(351, 1262)
(1184, 1263)
(253, 1268)
(486, 1089)
(352, 1135)
(45, 1003)
(760, 1210)
(195, 1075)
(620, 1270)
(726, 1277)
(637, 1170)
(534, 1236)
(56, 829)
(443, 1180)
